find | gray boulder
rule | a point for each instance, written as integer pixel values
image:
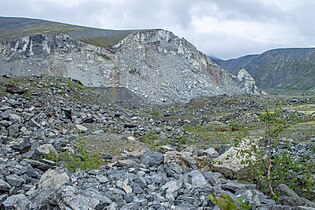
(211, 152)
(53, 179)
(14, 130)
(173, 169)
(4, 186)
(15, 118)
(152, 159)
(17, 202)
(290, 198)
(171, 187)
(197, 180)
(15, 180)
(73, 198)
(48, 186)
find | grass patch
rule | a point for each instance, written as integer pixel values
(107, 41)
(183, 140)
(307, 109)
(151, 139)
(209, 133)
(36, 30)
(80, 159)
(154, 113)
(70, 85)
(27, 94)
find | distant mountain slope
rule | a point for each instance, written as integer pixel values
(290, 69)
(13, 28)
(155, 64)
(234, 65)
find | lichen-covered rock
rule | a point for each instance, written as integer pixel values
(233, 163)
(43, 150)
(53, 179)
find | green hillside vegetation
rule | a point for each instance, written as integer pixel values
(15, 28)
(278, 70)
(106, 41)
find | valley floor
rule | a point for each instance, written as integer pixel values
(67, 146)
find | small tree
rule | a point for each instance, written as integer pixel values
(271, 167)
(275, 123)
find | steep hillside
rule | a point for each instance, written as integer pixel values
(234, 65)
(289, 69)
(155, 64)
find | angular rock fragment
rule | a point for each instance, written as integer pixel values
(18, 202)
(152, 159)
(4, 186)
(53, 179)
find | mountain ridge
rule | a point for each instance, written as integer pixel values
(278, 69)
(13, 28)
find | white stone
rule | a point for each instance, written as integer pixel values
(126, 187)
(53, 179)
(211, 152)
(171, 187)
(81, 128)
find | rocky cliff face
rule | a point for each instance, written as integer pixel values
(155, 64)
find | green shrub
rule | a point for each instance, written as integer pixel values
(227, 203)
(81, 159)
(53, 156)
(27, 94)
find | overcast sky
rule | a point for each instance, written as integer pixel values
(222, 28)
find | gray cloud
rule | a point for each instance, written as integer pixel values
(223, 28)
(247, 9)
